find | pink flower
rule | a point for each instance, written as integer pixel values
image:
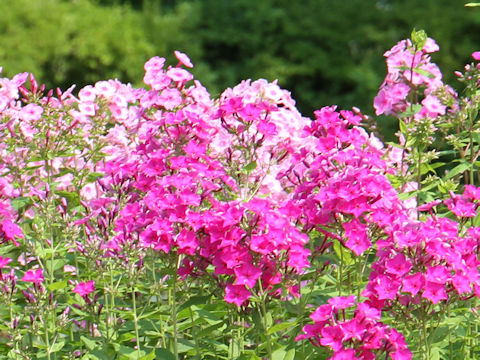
(31, 112)
(430, 46)
(4, 261)
(398, 265)
(433, 106)
(461, 206)
(179, 75)
(155, 63)
(34, 276)
(184, 59)
(476, 55)
(434, 292)
(236, 294)
(87, 108)
(353, 329)
(84, 288)
(332, 336)
(170, 98)
(342, 302)
(247, 274)
(357, 238)
(344, 354)
(11, 231)
(413, 283)
(322, 313)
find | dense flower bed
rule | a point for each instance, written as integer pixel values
(162, 223)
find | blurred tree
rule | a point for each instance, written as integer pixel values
(325, 51)
(71, 42)
(80, 42)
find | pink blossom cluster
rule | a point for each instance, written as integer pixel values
(424, 262)
(362, 336)
(342, 182)
(410, 69)
(182, 197)
(257, 122)
(231, 188)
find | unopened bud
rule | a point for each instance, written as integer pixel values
(33, 83)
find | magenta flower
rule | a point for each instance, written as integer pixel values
(344, 354)
(34, 276)
(11, 231)
(342, 302)
(236, 294)
(434, 292)
(476, 55)
(332, 336)
(4, 261)
(84, 288)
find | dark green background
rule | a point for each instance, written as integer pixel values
(324, 51)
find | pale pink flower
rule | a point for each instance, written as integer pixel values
(31, 112)
(184, 59)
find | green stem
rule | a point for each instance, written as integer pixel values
(45, 327)
(135, 320)
(173, 305)
(262, 311)
(340, 272)
(425, 338)
(112, 298)
(472, 157)
(419, 175)
(195, 338)
(265, 328)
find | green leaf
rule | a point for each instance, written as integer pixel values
(126, 337)
(279, 354)
(424, 73)
(57, 346)
(403, 126)
(249, 167)
(130, 353)
(458, 170)
(150, 356)
(73, 198)
(268, 320)
(195, 300)
(20, 202)
(185, 345)
(435, 354)
(290, 355)
(342, 253)
(472, 4)
(90, 344)
(411, 110)
(92, 177)
(476, 136)
(281, 326)
(57, 285)
(419, 38)
(164, 354)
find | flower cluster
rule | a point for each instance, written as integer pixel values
(361, 336)
(409, 68)
(231, 192)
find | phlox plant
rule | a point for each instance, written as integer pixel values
(162, 223)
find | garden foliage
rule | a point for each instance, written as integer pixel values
(162, 223)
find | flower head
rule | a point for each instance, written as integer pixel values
(34, 276)
(84, 288)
